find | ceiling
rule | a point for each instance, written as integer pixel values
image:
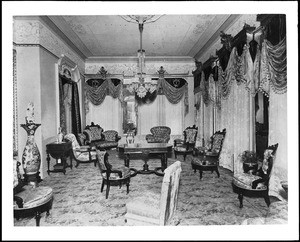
(170, 35)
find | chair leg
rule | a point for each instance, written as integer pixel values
(200, 174)
(102, 186)
(218, 172)
(77, 164)
(267, 200)
(107, 190)
(37, 218)
(184, 156)
(240, 197)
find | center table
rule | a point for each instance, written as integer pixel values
(144, 150)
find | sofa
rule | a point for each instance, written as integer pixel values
(94, 135)
(159, 134)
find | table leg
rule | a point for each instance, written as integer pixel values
(200, 171)
(145, 155)
(164, 161)
(127, 160)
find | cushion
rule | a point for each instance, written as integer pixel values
(94, 133)
(245, 180)
(110, 135)
(146, 205)
(180, 148)
(200, 162)
(115, 176)
(84, 156)
(33, 197)
(105, 144)
(217, 141)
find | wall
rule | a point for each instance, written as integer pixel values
(38, 50)
(48, 102)
(28, 90)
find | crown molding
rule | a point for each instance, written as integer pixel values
(213, 34)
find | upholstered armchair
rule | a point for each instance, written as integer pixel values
(81, 154)
(255, 182)
(214, 147)
(110, 176)
(30, 201)
(187, 144)
(154, 208)
(207, 158)
(159, 134)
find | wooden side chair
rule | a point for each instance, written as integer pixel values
(255, 182)
(110, 176)
(187, 144)
(154, 208)
(207, 159)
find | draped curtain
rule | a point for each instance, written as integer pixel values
(173, 94)
(69, 106)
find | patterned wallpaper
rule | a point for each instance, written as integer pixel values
(29, 32)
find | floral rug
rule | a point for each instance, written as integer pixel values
(79, 202)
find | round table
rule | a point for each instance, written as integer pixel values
(205, 163)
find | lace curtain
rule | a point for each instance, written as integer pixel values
(273, 71)
(278, 134)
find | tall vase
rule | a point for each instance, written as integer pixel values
(31, 158)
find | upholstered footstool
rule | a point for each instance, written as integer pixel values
(32, 201)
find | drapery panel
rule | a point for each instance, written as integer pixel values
(273, 67)
(69, 106)
(278, 134)
(236, 117)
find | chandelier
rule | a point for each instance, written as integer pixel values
(141, 83)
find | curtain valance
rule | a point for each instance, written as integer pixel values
(267, 70)
(173, 94)
(97, 94)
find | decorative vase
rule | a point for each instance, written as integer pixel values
(31, 158)
(130, 138)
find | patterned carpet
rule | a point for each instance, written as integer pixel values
(79, 202)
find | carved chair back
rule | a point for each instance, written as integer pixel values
(190, 134)
(217, 141)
